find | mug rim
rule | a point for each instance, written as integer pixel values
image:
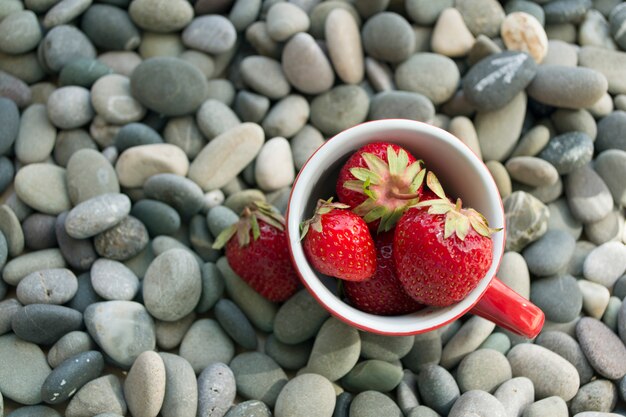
(403, 124)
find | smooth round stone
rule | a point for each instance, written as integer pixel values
(158, 217)
(265, 76)
(244, 13)
(12, 232)
(19, 267)
(434, 76)
(49, 286)
(172, 285)
(607, 62)
(385, 348)
(532, 171)
(184, 133)
(181, 390)
(169, 86)
(102, 395)
(465, 340)
(161, 45)
(338, 109)
(201, 239)
(561, 218)
(122, 241)
(483, 369)
(308, 395)
(424, 12)
(64, 12)
(561, 53)
(550, 373)
(344, 46)
(499, 342)
(609, 129)
(27, 68)
(610, 314)
(379, 75)
(177, 191)
(567, 347)
(215, 118)
(450, 36)
(73, 343)
(319, 15)
(82, 72)
(112, 280)
(406, 392)
(529, 7)
(501, 177)
(23, 369)
(595, 298)
(287, 116)
(568, 87)
(20, 32)
(96, 215)
(580, 120)
(588, 196)
(598, 395)
(206, 343)
(285, 20)
(136, 134)
(161, 15)
(437, 387)
(258, 36)
(274, 165)
(85, 295)
(89, 174)
(236, 324)
(135, 165)
(552, 406)
(568, 151)
(388, 36)
(401, 105)
(562, 11)
(8, 308)
(162, 244)
(606, 263)
(63, 44)
(36, 137)
(291, 357)
(422, 411)
(226, 156)
(374, 375)
(123, 329)
(606, 229)
(610, 165)
(213, 34)
(10, 119)
(112, 99)
(521, 31)
(497, 79)
(221, 90)
(169, 334)
(482, 17)
(478, 403)
(304, 144)
(251, 107)
(258, 377)
(70, 107)
(299, 319)
(39, 231)
(249, 408)
(305, 66)
(45, 323)
(68, 142)
(550, 253)
(603, 348)
(110, 28)
(79, 253)
(558, 297)
(121, 62)
(144, 387)
(212, 287)
(34, 410)
(373, 403)
(216, 389)
(335, 351)
(15, 89)
(71, 375)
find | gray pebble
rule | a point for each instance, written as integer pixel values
(79, 253)
(162, 244)
(110, 28)
(212, 34)
(516, 394)
(265, 76)
(69, 142)
(424, 12)
(411, 75)
(568, 87)
(373, 375)
(206, 343)
(550, 253)
(136, 134)
(552, 406)
(96, 215)
(498, 130)
(319, 14)
(499, 342)
(561, 218)
(426, 350)
(305, 65)
(222, 90)
(122, 241)
(465, 340)
(12, 231)
(184, 133)
(422, 411)
(349, 101)
(287, 116)
(605, 264)
(216, 390)
(219, 218)
(342, 404)
(101, 395)
(437, 387)
(251, 107)
(483, 369)
(602, 347)
(215, 118)
(85, 295)
(42, 187)
(249, 408)
(72, 344)
(15, 89)
(69, 376)
(89, 174)
(181, 389)
(529, 7)
(169, 334)
(335, 351)
(158, 217)
(607, 62)
(386, 29)
(8, 308)
(20, 32)
(19, 267)
(479, 403)
(285, 20)
(123, 329)
(70, 107)
(62, 44)
(34, 411)
(513, 271)
(112, 280)
(45, 323)
(39, 231)
(406, 392)
(49, 286)
(309, 395)
(610, 166)
(559, 297)
(568, 151)
(532, 171)
(212, 287)
(386, 348)
(580, 120)
(164, 16)
(588, 196)
(235, 323)
(273, 168)
(373, 403)
(36, 137)
(289, 356)
(304, 144)
(567, 347)
(599, 395)
(561, 11)
(401, 105)
(482, 17)
(258, 377)
(244, 13)
(609, 129)
(611, 313)
(144, 386)
(177, 191)
(7, 172)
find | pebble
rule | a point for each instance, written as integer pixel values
(385, 348)
(241, 199)
(516, 395)
(305, 65)
(88, 175)
(221, 90)
(42, 187)
(605, 264)
(320, 12)
(45, 323)
(64, 12)
(406, 392)
(607, 62)
(69, 142)
(10, 118)
(122, 329)
(170, 86)
(135, 165)
(553, 406)
(177, 191)
(299, 319)
(289, 356)
(169, 334)
(532, 171)
(265, 76)
(36, 138)
(159, 218)
(257, 35)
(181, 389)
(144, 387)
(499, 342)
(568, 151)
(513, 271)
(531, 8)
(401, 105)
(61, 45)
(567, 347)
(102, 395)
(437, 388)
(112, 280)
(216, 390)
(15, 89)
(450, 36)
(479, 403)
(561, 218)
(39, 231)
(49, 286)
(249, 408)
(567, 87)
(308, 395)
(214, 118)
(599, 395)
(465, 340)
(373, 375)
(438, 83)
(602, 347)
(184, 133)
(610, 314)
(111, 98)
(72, 344)
(561, 53)
(122, 241)
(212, 287)
(562, 11)
(162, 15)
(373, 403)
(550, 253)
(335, 351)
(287, 116)
(85, 295)
(349, 101)
(483, 369)
(34, 410)
(482, 17)
(608, 132)
(19, 267)
(258, 377)
(550, 373)
(610, 166)
(20, 32)
(71, 375)
(160, 45)
(213, 34)
(110, 28)
(251, 107)
(206, 343)
(285, 20)
(344, 46)
(236, 324)
(79, 253)
(424, 12)
(521, 31)
(70, 107)
(96, 215)
(304, 144)
(8, 308)
(12, 232)
(588, 196)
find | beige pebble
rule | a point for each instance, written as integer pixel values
(463, 128)
(604, 106)
(306, 66)
(522, 32)
(379, 75)
(285, 20)
(121, 62)
(344, 46)
(501, 177)
(274, 165)
(112, 99)
(135, 165)
(451, 37)
(144, 387)
(532, 171)
(595, 297)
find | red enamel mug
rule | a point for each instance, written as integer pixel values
(463, 175)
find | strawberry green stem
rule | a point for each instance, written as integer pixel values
(395, 193)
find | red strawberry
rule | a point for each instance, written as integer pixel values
(379, 182)
(256, 249)
(382, 294)
(338, 243)
(441, 250)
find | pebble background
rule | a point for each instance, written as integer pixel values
(133, 132)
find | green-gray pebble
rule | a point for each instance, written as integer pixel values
(8, 308)
(184, 133)
(110, 28)
(158, 217)
(169, 334)
(43, 188)
(299, 318)
(212, 287)
(10, 119)
(205, 343)
(136, 134)
(251, 107)
(372, 404)
(214, 118)
(123, 241)
(181, 392)
(34, 411)
(340, 108)
(63, 44)
(335, 351)
(483, 369)
(307, 395)
(291, 357)
(96, 215)
(12, 231)
(162, 244)
(236, 324)
(17, 268)
(44, 324)
(248, 409)
(201, 239)
(437, 388)
(37, 135)
(401, 105)
(179, 192)
(69, 142)
(385, 348)
(258, 377)
(20, 32)
(48, 286)
(426, 350)
(85, 295)
(374, 375)
(385, 29)
(69, 345)
(90, 174)
(497, 341)
(219, 218)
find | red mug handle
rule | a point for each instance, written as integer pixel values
(509, 310)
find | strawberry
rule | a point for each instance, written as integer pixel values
(256, 249)
(337, 242)
(382, 294)
(379, 182)
(441, 250)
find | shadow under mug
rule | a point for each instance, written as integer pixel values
(463, 175)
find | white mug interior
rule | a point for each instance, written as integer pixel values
(460, 171)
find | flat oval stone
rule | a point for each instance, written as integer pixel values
(177, 191)
(216, 389)
(437, 387)
(154, 159)
(558, 297)
(90, 174)
(580, 120)
(69, 376)
(479, 403)
(450, 36)
(144, 387)
(184, 133)
(12, 231)
(609, 129)
(236, 324)
(607, 62)
(516, 394)
(588, 196)
(96, 215)
(112, 280)
(568, 87)
(213, 34)
(162, 244)
(551, 374)
(206, 343)
(304, 144)
(426, 350)
(291, 357)
(102, 395)
(19, 267)
(62, 44)
(595, 298)
(215, 118)
(344, 46)
(599, 395)
(497, 79)
(335, 351)
(251, 107)
(373, 375)
(483, 369)
(248, 408)
(172, 285)
(161, 16)
(36, 137)
(20, 32)
(45, 323)
(10, 118)
(465, 340)
(373, 403)
(533, 171)
(39, 231)
(385, 29)
(605, 264)
(309, 395)
(273, 168)
(553, 406)
(424, 12)
(42, 187)
(550, 253)
(181, 389)
(411, 75)
(70, 107)
(135, 134)
(265, 76)
(15, 89)
(226, 156)
(386, 348)
(482, 16)
(603, 348)
(568, 151)
(258, 377)
(23, 370)
(401, 105)
(521, 31)
(567, 347)
(158, 217)
(73, 343)
(561, 11)
(169, 86)
(79, 253)
(285, 20)
(64, 12)
(112, 99)
(319, 14)
(299, 319)
(169, 334)
(212, 287)
(340, 108)
(8, 308)
(49, 286)
(35, 410)
(110, 28)
(305, 65)
(610, 166)
(287, 117)
(122, 241)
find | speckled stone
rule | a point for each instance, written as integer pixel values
(48, 286)
(249, 408)
(216, 390)
(181, 389)
(122, 241)
(568, 151)
(483, 369)
(437, 387)
(567, 347)
(101, 395)
(206, 343)
(335, 351)
(144, 387)
(306, 395)
(69, 376)
(258, 377)
(602, 347)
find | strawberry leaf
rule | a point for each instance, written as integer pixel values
(304, 229)
(256, 232)
(433, 183)
(418, 180)
(354, 185)
(375, 164)
(365, 174)
(224, 237)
